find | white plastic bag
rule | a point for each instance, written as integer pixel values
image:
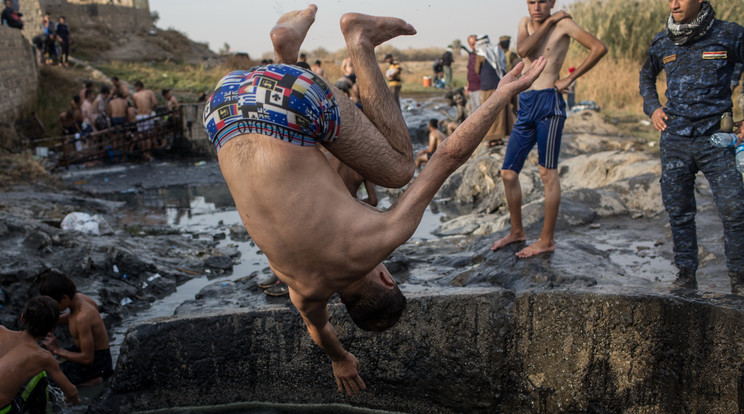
(86, 223)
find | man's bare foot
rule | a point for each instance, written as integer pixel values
(289, 33)
(370, 31)
(536, 248)
(509, 239)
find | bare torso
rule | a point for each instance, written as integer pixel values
(435, 138)
(553, 46)
(144, 101)
(88, 315)
(118, 108)
(305, 221)
(20, 359)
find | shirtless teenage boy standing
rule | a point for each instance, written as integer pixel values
(541, 115)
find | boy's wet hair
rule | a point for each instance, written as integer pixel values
(56, 285)
(434, 123)
(377, 310)
(40, 316)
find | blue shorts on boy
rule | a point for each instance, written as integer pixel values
(540, 120)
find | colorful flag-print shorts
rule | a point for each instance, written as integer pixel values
(282, 101)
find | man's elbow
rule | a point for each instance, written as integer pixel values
(601, 50)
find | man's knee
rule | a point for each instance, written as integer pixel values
(509, 177)
(548, 175)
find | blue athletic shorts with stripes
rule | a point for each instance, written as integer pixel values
(282, 101)
(540, 120)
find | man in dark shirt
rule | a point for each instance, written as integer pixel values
(63, 33)
(10, 17)
(698, 54)
(447, 60)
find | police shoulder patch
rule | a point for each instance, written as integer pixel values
(670, 58)
(715, 55)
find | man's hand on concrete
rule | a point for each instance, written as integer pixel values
(659, 118)
(347, 376)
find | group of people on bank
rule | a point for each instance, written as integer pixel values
(91, 115)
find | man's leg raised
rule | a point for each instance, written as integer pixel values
(375, 143)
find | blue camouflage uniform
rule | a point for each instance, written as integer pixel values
(699, 75)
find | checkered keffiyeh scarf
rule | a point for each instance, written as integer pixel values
(687, 32)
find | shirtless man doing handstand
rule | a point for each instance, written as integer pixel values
(266, 123)
(541, 115)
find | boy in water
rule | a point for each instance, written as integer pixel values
(541, 115)
(24, 365)
(88, 362)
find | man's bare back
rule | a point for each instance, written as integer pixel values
(87, 318)
(20, 359)
(117, 108)
(144, 101)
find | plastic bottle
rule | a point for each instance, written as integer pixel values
(723, 139)
(740, 158)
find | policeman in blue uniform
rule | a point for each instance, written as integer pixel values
(698, 54)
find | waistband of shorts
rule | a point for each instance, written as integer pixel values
(255, 126)
(539, 91)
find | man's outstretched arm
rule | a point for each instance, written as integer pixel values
(345, 365)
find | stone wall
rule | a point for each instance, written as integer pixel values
(462, 350)
(19, 82)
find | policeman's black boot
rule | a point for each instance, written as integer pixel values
(737, 283)
(686, 279)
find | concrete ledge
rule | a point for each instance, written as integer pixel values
(462, 350)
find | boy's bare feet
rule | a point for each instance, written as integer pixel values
(536, 248)
(369, 31)
(289, 33)
(509, 239)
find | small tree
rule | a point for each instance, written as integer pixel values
(225, 50)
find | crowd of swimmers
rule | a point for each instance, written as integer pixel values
(118, 118)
